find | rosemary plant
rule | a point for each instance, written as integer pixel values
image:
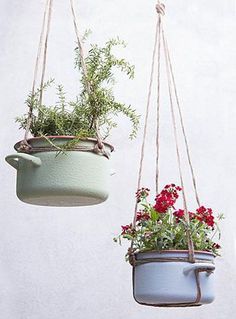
(91, 110)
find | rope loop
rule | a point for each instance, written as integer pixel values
(160, 8)
(100, 150)
(28, 149)
(24, 147)
(131, 256)
(136, 262)
(100, 145)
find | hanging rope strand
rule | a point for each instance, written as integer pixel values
(40, 46)
(146, 119)
(36, 68)
(158, 93)
(182, 126)
(45, 51)
(186, 215)
(81, 50)
(160, 37)
(100, 146)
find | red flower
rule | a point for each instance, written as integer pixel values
(167, 198)
(192, 215)
(127, 229)
(205, 215)
(142, 216)
(142, 193)
(201, 210)
(180, 214)
(216, 246)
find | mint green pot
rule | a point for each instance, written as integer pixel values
(73, 178)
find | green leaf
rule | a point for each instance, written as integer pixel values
(154, 215)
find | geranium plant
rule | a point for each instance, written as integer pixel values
(160, 226)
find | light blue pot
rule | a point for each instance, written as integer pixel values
(73, 178)
(165, 283)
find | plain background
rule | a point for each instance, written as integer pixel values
(61, 263)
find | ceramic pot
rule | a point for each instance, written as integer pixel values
(71, 178)
(173, 282)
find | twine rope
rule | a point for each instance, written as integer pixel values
(43, 44)
(158, 99)
(99, 145)
(182, 124)
(77, 148)
(160, 37)
(186, 215)
(136, 262)
(160, 8)
(36, 68)
(146, 121)
(45, 51)
(81, 49)
(40, 46)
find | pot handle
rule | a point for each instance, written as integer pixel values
(200, 267)
(13, 159)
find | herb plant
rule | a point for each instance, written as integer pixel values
(160, 227)
(92, 110)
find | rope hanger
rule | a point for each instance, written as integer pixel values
(43, 46)
(161, 44)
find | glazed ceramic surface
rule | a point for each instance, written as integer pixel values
(172, 282)
(73, 178)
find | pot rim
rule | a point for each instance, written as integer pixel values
(64, 137)
(176, 251)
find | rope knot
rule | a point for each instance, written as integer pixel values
(160, 8)
(131, 257)
(24, 147)
(100, 149)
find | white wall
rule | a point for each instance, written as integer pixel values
(60, 263)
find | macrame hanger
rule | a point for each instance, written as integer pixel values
(140, 172)
(182, 124)
(45, 51)
(40, 46)
(160, 39)
(100, 146)
(42, 42)
(157, 47)
(160, 8)
(43, 45)
(186, 215)
(81, 49)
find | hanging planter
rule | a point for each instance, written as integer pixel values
(66, 163)
(167, 271)
(172, 251)
(163, 278)
(78, 178)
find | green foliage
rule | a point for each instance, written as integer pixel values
(91, 109)
(165, 231)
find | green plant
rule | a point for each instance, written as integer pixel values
(93, 109)
(161, 227)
